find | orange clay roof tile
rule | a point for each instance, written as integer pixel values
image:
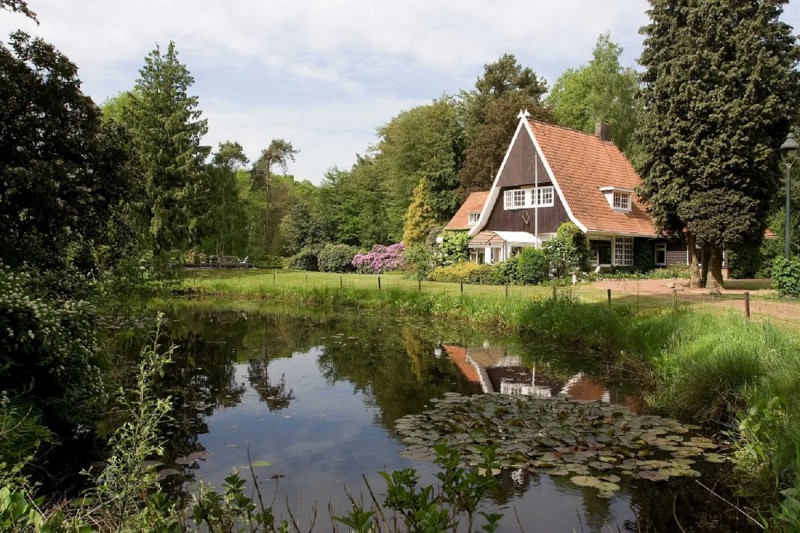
(582, 164)
(473, 204)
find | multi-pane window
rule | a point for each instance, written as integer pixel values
(622, 200)
(623, 251)
(522, 198)
(473, 218)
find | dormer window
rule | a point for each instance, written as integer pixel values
(619, 198)
(529, 197)
(622, 200)
(474, 217)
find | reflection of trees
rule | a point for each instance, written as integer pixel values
(393, 366)
(275, 395)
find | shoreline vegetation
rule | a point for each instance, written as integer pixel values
(738, 378)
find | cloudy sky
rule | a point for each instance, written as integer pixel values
(325, 74)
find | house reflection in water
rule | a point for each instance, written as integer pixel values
(497, 371)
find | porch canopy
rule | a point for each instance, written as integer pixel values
(498, 238)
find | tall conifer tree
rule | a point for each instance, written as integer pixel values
(720, 92)
(167, 128)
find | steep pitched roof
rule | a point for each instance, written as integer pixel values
(581, 164)
(473, 204)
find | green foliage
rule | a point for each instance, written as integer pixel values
(47, 351)
(419, 219)
(786, 276)
(167, 130)
(453, 248)
(744, 261)
(233, 510)
(466, 272)
(644, 255)
(21, 432)
(420, 257)
(336, 258)
(229, 155)
(305, 259)
(711, 127)
(65, 174)
(601, 91)
(533, 266)
(568, 252)
(489, 114)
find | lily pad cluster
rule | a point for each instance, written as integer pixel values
(591, 442)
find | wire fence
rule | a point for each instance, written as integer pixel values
(640, 294)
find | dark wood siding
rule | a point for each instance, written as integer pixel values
(520, 170)
(550, 218)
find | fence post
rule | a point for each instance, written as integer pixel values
(747, 304)
(609, 296)
(675, 299)
(274, 281)
(506, 290)
(419, 285)
(554, 292)
(462, 288)
(379, 283)
(341, 282)
(306, 280)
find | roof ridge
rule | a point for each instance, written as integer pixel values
(567, 128)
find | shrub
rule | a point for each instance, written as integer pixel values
(454, 247)
(507, 271)
(786, 276)
(533, 266)
(380, 259)
(420, 258)
(644, 255)
(305, 259)
(48, 352)
(336, 258)
(744, 261)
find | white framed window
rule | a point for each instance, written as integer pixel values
(544, 197)
(473, 218)
(622, 200)
(661, 254)
(623, 251)
(522, 198)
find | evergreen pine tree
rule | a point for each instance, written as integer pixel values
(167, 129)
(719, 92)
(419, 219)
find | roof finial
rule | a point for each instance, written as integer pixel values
(523, 115)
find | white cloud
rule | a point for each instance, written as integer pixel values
(292, 69)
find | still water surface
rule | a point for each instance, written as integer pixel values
(317, 396)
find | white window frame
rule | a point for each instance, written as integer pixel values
(623, 251)
(474, 217)
(661, 246)
(621, 201)
(527, 198)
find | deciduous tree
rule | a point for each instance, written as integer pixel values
(720, 92)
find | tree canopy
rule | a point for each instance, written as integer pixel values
(720, 93)
(601, 91)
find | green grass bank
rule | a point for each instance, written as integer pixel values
(738, 377)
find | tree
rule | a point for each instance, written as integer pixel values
(601, 91)
(719, 88)
(422, 142)
(419, 219)
(19, 6)
(64, 172)
(488, 114)
(279, 152)
(229, 155)
(167, 130)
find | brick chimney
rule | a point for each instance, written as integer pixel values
(602, 131)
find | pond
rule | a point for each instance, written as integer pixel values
(316, 397)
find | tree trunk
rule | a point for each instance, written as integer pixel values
(715, 281)
(694, 263)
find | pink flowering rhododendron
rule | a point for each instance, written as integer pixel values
(380, 259)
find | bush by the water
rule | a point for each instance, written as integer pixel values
(466, 272)
(305, 259)
(786, 276)
(336, 258)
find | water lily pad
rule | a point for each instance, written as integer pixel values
(558, 471)
(585, 481)
(607, 486)
(605, 495)
(653, 475)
